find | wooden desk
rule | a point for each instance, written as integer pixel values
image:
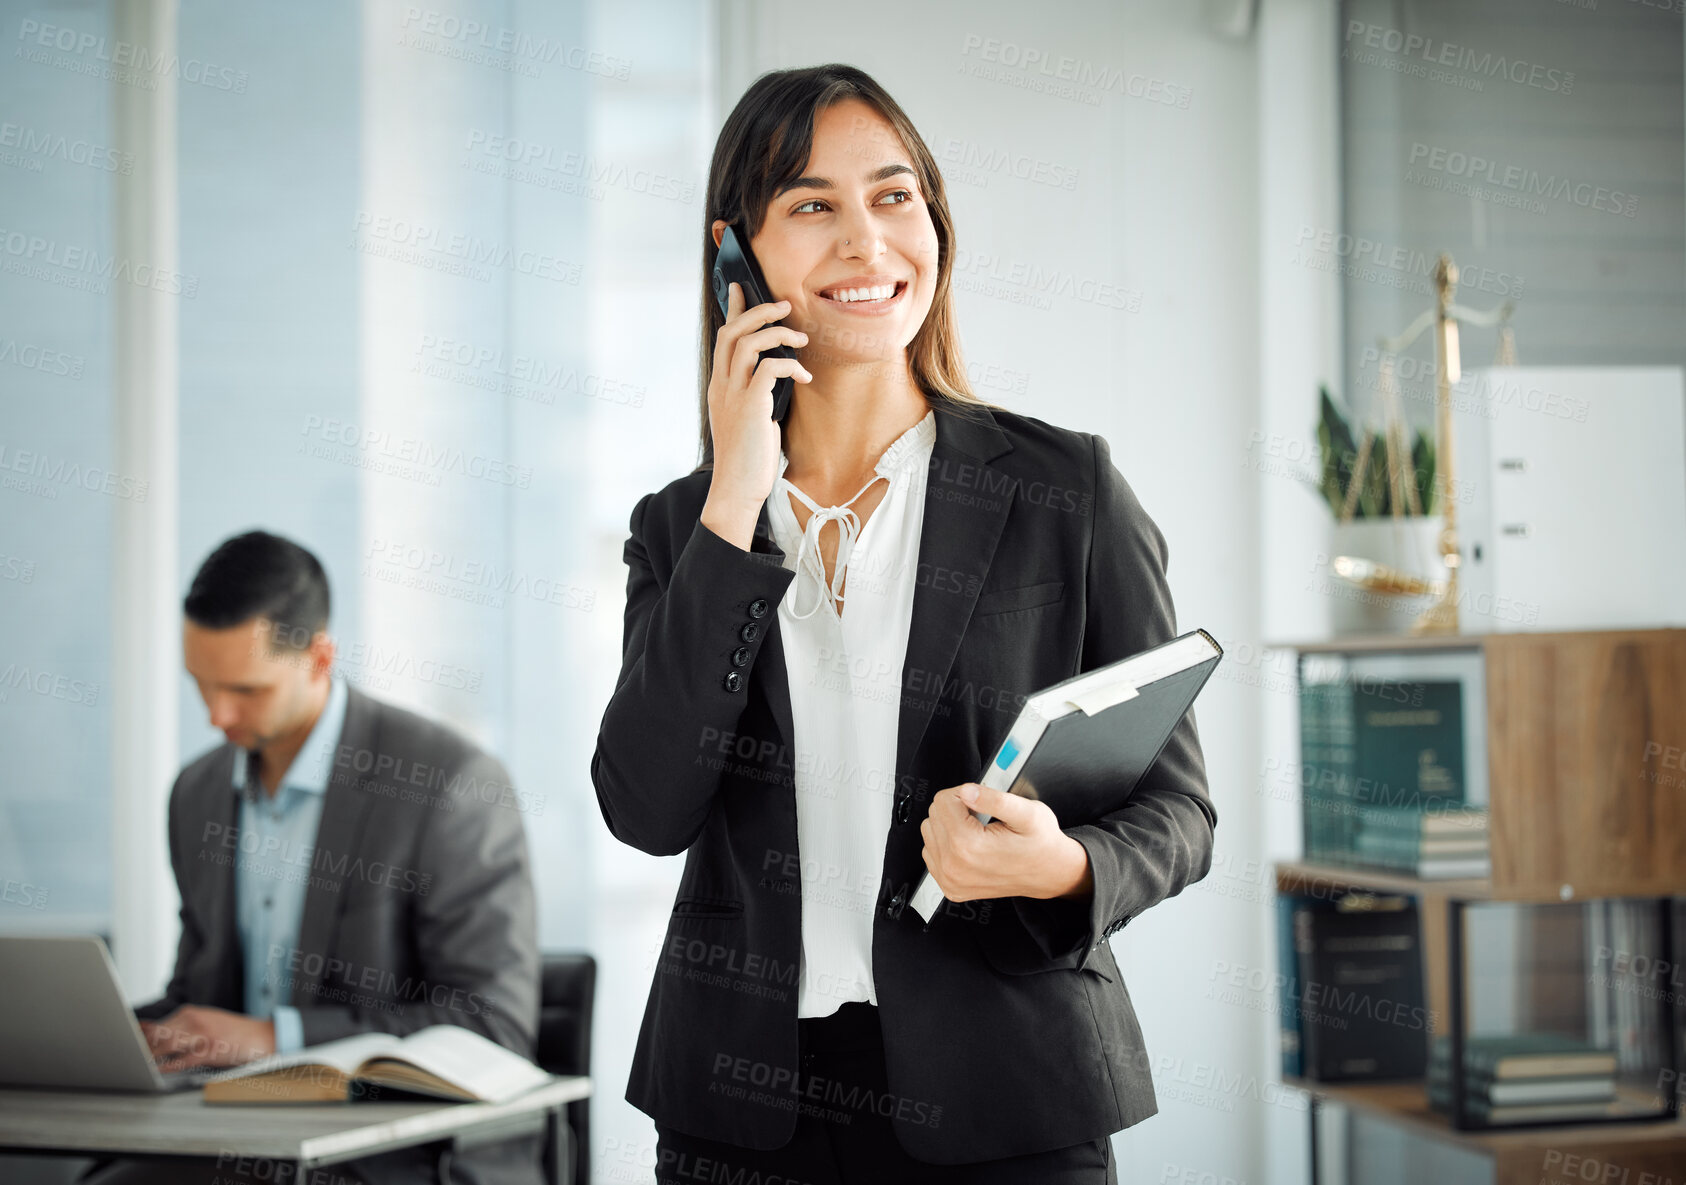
(306, 1135)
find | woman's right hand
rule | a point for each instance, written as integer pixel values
(740, 413)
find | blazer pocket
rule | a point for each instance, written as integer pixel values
(707, 907)
(1006, 600)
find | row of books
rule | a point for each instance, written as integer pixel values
(1352, 1010)
(1527, 1078)
(1391, 777)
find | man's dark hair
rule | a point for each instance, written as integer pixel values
(261, 575)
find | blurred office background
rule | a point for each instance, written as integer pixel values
(255, 289)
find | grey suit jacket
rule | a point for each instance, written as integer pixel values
(1007, 1026)
(419, 907)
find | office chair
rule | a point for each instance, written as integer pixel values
(567, 988)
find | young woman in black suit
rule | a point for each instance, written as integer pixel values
(810, 760)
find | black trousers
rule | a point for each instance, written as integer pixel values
(834, 1146)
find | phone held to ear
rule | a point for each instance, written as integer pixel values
(733, 264)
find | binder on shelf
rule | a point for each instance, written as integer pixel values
(1361, 988)
(1083, 744)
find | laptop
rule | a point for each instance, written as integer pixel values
(65, 1022)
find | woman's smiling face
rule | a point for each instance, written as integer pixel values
(850, 243)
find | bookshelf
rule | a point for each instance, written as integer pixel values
(1585, 803)
(1523, 1156)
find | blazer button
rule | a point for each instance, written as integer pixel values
(893, 907)
(732, 681)
(758, 607)
(740, 656)
(750, 631)
(901, 807)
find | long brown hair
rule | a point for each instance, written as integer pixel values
(764, 143)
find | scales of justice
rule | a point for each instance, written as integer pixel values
(1440, 617)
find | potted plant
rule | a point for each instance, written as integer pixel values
(1385, 506)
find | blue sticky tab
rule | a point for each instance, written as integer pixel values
(1008, 751)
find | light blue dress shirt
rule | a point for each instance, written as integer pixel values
(277, 847)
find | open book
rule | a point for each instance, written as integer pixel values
(444, 1061)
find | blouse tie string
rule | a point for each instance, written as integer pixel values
(848, 530)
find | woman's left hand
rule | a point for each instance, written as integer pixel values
(1021, 852)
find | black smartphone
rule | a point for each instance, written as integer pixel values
(733, 264)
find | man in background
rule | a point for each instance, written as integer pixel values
(345, 866)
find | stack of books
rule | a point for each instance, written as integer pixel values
(1388, 778)
(1527, 1078)
(1425, 843)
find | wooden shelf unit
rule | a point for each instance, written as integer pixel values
(1579, 809)
(1521, 1156)
(1582, 800)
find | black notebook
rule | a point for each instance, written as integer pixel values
(1082, 745)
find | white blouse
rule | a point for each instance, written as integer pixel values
(845, 672)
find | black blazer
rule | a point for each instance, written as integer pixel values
(1007, 1026)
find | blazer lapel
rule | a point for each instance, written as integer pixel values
(221, 902)
(966, 505)
(338, 844)
(770, 672)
